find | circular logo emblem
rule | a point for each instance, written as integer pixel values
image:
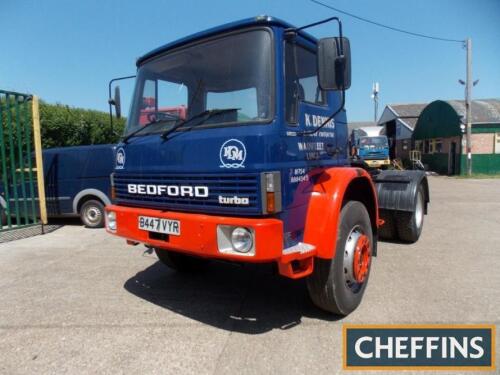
(120, 158)
(233, 154)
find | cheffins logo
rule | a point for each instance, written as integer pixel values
(232, 154)
(419, 347)
(120, 158)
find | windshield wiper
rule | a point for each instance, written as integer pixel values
(208, 113)
(171, 118)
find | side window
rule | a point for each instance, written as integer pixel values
(301, 79)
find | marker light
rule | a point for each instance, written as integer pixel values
(271, 192)
(111, 221)
(269, 182)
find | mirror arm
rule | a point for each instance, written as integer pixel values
(295, 30)
(111, 101)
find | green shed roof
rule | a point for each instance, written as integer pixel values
(438, 120)
(441, 119)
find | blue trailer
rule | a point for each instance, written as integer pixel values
(76, 183)
(259, 169)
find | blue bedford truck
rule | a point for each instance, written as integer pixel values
(76, 184)
(258, 169)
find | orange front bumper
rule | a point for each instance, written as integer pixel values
(199, 233)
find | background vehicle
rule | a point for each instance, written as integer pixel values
(150, 113)
(373, 150)
(259, 171)
(369, 145)
(76, 183)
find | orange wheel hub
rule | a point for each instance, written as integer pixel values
(362, 258)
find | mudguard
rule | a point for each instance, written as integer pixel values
(397, 190)
(329, 190)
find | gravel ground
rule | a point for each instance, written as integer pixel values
(82, 301)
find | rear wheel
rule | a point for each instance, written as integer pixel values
(92, 214)
(180, 262)
(337, 285)
(410, 224)
(388, 230)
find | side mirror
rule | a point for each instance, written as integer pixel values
(116, 101)
(334, 63)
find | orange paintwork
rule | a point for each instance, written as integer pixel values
(199, 231)
(324, 208)
(362, 258)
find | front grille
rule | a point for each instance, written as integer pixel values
(373, 155)
(227, 185)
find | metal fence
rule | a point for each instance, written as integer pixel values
(22, 191)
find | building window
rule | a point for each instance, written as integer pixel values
(497, 143)
(432, 146)
(426, 146)
(438, 146)
(418, 146)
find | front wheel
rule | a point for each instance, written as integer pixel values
(337, 285)
(92, 214)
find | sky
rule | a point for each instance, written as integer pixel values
(66, 51)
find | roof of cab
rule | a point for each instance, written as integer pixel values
(248, 22)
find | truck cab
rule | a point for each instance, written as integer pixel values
(373, 150)
(258, 169)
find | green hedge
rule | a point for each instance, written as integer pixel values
(62, 125)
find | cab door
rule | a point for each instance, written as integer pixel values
(307, 106)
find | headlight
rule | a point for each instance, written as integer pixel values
(111, 220)
(241, 239)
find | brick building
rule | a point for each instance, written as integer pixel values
(439, 134)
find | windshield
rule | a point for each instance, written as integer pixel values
(373, 141)
(233, 71)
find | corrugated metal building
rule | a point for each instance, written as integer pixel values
(439, 134)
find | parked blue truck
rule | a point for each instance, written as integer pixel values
(76, 184)
(373, 150)
(259, 170)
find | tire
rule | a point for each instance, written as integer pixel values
(410, 224)
(388, 230)
(333, 286)
(180, 262)
(92, 214)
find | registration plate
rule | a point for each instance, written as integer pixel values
(155, 224)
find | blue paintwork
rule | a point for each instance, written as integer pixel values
(269, 147)
(228, 27)
(375, 153)
(68, 171)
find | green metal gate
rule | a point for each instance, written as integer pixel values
(22, 192)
